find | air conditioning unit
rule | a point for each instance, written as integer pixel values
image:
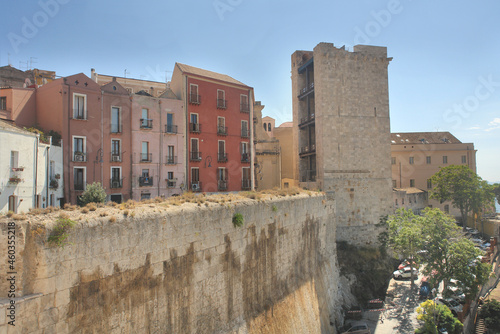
(116, 184)
(195, 186)
(115, 158)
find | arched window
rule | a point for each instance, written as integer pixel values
(269, 127)
(265, 127)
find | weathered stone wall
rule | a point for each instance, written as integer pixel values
(181, 269)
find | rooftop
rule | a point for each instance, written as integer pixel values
(208, 74)
(423, 138)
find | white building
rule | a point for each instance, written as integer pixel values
(29, 171)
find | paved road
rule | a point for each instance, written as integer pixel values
(401, 314)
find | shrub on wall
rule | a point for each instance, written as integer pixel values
(238, 220)
(60, 232)
(94, 193)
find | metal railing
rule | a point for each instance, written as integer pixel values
(146, 123)
(195, 156)
(171, 160)
(145, 181)
(245, 133)
(194, 98)
(222, 130)
(246, 184)
(195, 127)
(308, 176)
(221, 104)
(245, 157)
(170, 128)
(221, 185)
(222, 157)
(146, 157)
(116, 183)
(244, 107)
(79, 156)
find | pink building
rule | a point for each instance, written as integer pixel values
(94, 122)
(158, 145)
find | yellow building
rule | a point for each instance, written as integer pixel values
(416, 156)
(284, 133)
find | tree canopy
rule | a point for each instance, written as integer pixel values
(464, 188)
(490, 312)
(436, 317)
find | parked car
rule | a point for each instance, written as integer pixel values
(405, 273)
(452, 304)
(358, 328)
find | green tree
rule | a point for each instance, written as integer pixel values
(483, 199)
(404, 235)
(436, 317)
(490, 312)
(449, 254)
(458, 184)
(496, 191)
(94, 193)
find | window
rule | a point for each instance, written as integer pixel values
(244, 129)
(14, 159)
(52, 200)
(145, 121)
(3, 103)
(245, 157)
(195, 152)
(115, 150)
(170, 127)
(170, 180)
(402, 201)
(221, 99)
(79, 106)
(171, 158)
(79, 178)
(447, 208)
(145, 155)
(429, 184)
(170, 175)
(52, 170)
(412, 182)
(194, 98)
(396, 202)
(115, 120)
(428, 160)
(412, 160)
(145, 196)
(269, 127)
(286, 185)
(79, 149)
(222, 156)
(194, 126)
(221, 126)
(244, 106)
(464, 159)
(116, 180)
(445, 159)
(265, 126)
(145, 179)
(195, 179)
(221, 179)
(246, 181)
(117, 198)
(393, 160)
(394, 183)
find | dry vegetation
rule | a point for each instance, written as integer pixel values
(130, 207)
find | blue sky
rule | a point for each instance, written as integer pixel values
(445, 74)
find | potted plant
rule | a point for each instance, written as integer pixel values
(15, 179)
(57, 176)
(54, 184)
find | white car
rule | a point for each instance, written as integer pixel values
(452, 304)
(405, 273)
(358, 328)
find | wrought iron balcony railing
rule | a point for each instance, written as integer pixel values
(246, 184)
(146, 123)
(194, 127)
(195, 156)
(222, 185)
(171, 160)
(146, 157)
(116, 183)
(222, 130)
(221, 104)
(170, 128)
(194, 98)
(145, 181)
(222, 157)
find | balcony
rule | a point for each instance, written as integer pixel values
(307, 150)
(222, 157)
(196, 186)
(305, 121)
(79, 186)
(246, 184)
(146, 123)
(145, 181)
(171, 182)
(79, 157)
(171, 160)
(245, 157)
(116, 157)
(54, 183)
(309, 89)
(14, 179)
(222, 130)
(116, 128)
(194, 127)
(194, 98)
(146, 157)
(195, 156)
(308, 176)
(116, 183)
(79, 114)
(222, 185)
(245, 133)
(221, 104)
(170, 128)
(244, 107)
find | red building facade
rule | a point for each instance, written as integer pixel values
(218, 112)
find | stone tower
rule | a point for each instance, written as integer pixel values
(342, 133)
